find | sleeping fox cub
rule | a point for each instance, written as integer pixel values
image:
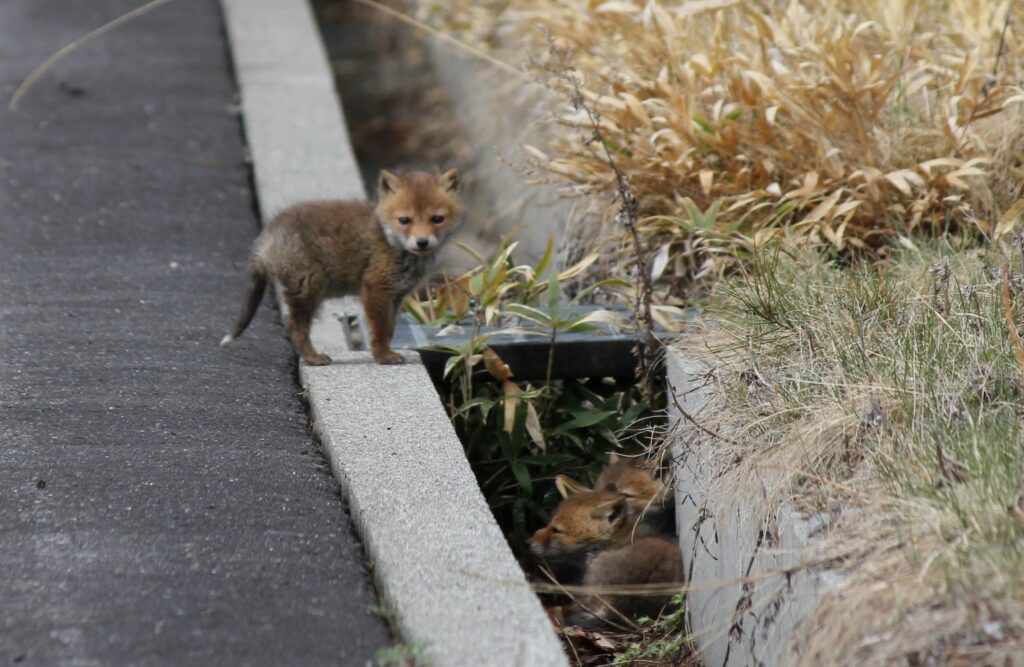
(614, 535)
(650, 501)
(324, 249)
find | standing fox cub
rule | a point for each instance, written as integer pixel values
(327, 249)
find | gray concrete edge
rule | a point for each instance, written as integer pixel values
(441, 563)
(735, 624)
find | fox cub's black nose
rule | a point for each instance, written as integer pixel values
(422, 243)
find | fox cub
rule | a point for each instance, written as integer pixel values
(649, 499)
(649, 560)
(317, 250)
(616, 534)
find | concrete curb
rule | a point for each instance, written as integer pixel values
(736, 624)
(440, 561)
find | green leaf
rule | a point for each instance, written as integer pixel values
(608, 436)
(484, 404)
(528, 313)
(476, 284)
(631, 413)
(616, 148)
(579, 326)
(571, 437)
(585, 420)
(704, 124)
(522, 476)
(545, 259)
(554, 297)
(450, 365)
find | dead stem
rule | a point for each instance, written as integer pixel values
(45, 66)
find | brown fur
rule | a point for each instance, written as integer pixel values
(581, 525)
(620, 533)
(650, 500)
(650, 560)
(318, 250)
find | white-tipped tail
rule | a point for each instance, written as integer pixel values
(227, 340)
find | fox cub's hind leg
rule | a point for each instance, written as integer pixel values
(303, 297)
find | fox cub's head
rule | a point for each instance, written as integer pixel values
(644, 492)
(646, 495)
(418, 210)
(581, 523)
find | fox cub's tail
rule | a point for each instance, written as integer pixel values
(257, 285)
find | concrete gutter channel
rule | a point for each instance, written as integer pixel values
(440, 560)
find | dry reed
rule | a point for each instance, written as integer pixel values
(846, 123)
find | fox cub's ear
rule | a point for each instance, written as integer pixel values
(567, 486)
(611, 511)
(450, 180)
(387, 184)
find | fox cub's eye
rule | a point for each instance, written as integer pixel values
(405, 220)
(437, 219)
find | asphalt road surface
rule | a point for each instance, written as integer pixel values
(161, 500)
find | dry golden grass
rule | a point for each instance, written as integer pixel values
(848, 123)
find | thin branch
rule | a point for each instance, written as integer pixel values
(627, 216)
(688, 417)
(1002, 43)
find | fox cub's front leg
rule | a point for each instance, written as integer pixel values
(378, 304)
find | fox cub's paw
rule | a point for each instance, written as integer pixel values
(318, 359)
(389, 358)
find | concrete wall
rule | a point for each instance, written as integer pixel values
(734, 623)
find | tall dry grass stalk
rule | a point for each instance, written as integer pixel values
(848, 123)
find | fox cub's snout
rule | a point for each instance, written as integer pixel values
(417, 211)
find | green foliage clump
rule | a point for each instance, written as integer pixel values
(520, 435)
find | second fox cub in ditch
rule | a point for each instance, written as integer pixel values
(620, 534)
(382, 253)
(650, 501)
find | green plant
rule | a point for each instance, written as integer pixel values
(562, 427)
(403, 655)
(661, 641)
(519, 435)
(481, 294)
